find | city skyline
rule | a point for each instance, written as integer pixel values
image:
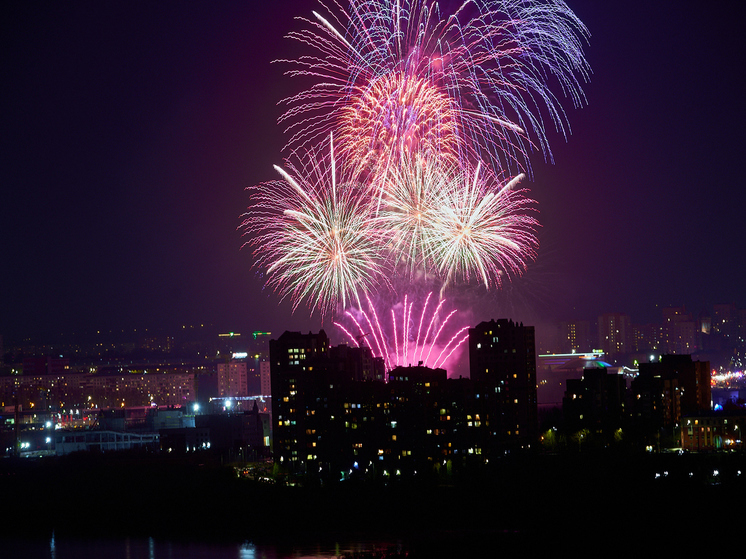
(133, 131)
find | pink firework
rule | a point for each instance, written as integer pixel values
(473, 84)
(399, 115)
(407, 340)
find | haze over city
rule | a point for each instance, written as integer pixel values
(133, 130)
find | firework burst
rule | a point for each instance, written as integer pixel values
(397, 116)
(456, 225)
(433, 113)
(482, 231)
(400, 75)
(314, 234)
(414, 188)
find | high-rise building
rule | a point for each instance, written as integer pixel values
(647, 337)
(666, 390)
(685, 338)
(575, 336)
(614, 332)
(266, 378)
(335, 413)
(299, 375)
(358, 362)
(680, 332)
(258, 353)
(232, 378)
(741, 331)
(724, 320)
(502, 363)
(596, 402)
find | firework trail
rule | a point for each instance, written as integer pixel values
(401, 345)
(314, 234)
(472, 85)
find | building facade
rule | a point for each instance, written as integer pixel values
(335, 414)
(502, 364)
(233, 378)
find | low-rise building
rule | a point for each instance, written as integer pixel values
(717, 430)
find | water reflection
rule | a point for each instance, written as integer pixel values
(152, 548)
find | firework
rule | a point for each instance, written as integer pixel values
(400, 76)
(482, 231)
(432, 112)
(413, 191)
(314, 234)
(458, 225)
(397, 116)
(326, 242)
(402, 345)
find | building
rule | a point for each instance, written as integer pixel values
(181, 440)
(37, 366)
(647, 338)
(358, 362)
(336, 415)
(73, 389)
(709, 431)
(66, 442)
(258, 353)
(553, 370)
(575, 336)
(680, 331)
(614, 333)
(233, 378)
(265, 378)
(668, 389)
(596, 402)
(502, 363)
(242, 435)
(724, 321)
(299, 375)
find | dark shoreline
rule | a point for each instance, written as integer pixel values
(524, 501)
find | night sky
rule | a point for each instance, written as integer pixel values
(131, 129)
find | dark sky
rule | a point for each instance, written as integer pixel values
(130, 130)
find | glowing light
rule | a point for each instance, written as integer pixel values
(482, 230)
(457, 226)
